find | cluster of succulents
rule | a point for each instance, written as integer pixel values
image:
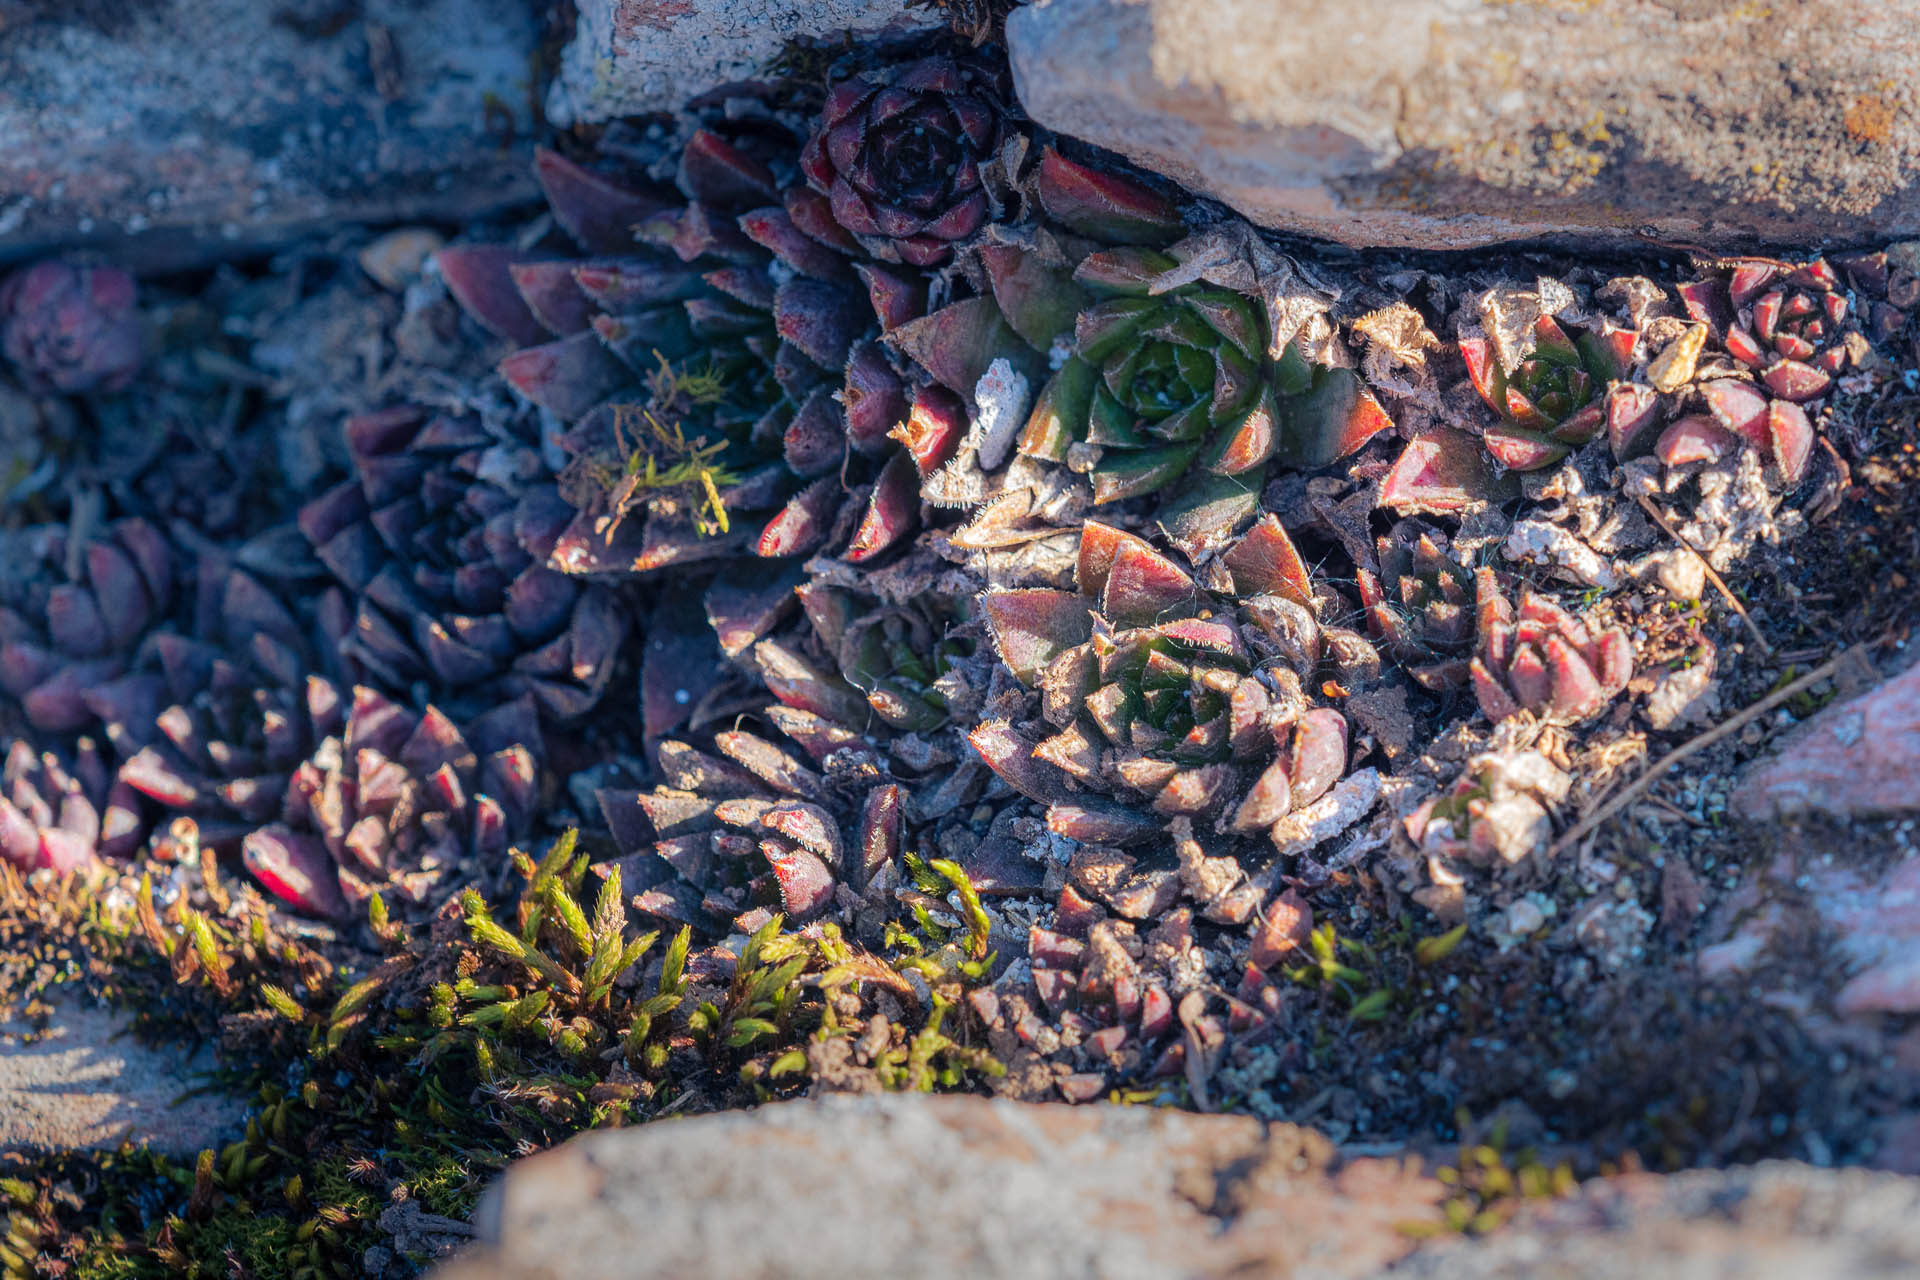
(764, 387)
(719, 365)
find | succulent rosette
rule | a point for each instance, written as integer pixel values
(1160, 382)
(60, 811)
(75, 613)
(1498, 812)
(1156, 383)
(775, 811)
(69, 328)
(896, 655)
(1542, 659)
(899, 158)
(714, 361)
(1554, 398)
(442, 541)
(1156, 692)
(1792, 325)
(1420, 606)
(405, 803)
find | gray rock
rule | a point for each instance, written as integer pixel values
(82, 1084)
(1771, 1221)
(633, 57)
(193, 129)
(887, 1186)
(1452, 123)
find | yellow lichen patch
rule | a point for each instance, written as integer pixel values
(1870, 119)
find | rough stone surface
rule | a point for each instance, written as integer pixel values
(886, 1186)
(1452, 123)
(1857, 758)
(633, 57)
(1771, 1221)
(187, 129)
(75, 1086)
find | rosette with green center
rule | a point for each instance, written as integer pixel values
(896, 655)
(1153, 380)
(1156, 691)
(1554, 398)
(1156, 383)
(800, 806)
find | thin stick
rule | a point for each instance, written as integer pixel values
(1712, 577)
(1633, 789)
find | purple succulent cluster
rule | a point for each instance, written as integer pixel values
(770, 556)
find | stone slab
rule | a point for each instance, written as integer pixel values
(634, 57)
(885, 1186)
(83, 1085)
(1773, 1221)
(1858, 758)
(185, 130)
(1441, 124)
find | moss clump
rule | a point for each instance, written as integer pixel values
(413, 1076)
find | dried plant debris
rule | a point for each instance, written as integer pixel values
(861, 593)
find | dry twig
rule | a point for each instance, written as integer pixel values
(1712, 576)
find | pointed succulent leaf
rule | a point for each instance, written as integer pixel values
(1203, 516)
(1440, 472)
(481, 280)
(568, 376)
(1103, 205)
(1265, 562)
(1694, 438)
(1130, 475)
(1790, 439)
(934, 428)
(893, 509)
(1039, 302)
(1331, 421)
(1032, 626)
(1143, 587)
(597, 212)
(956, 343)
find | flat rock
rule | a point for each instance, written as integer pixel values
(1858, 758)
(634, 57)
(82, 1085)
(1452, 123)
(886, 1186)
(1772, 1221)
(183, 130)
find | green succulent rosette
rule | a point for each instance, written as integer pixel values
(1157, 383)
